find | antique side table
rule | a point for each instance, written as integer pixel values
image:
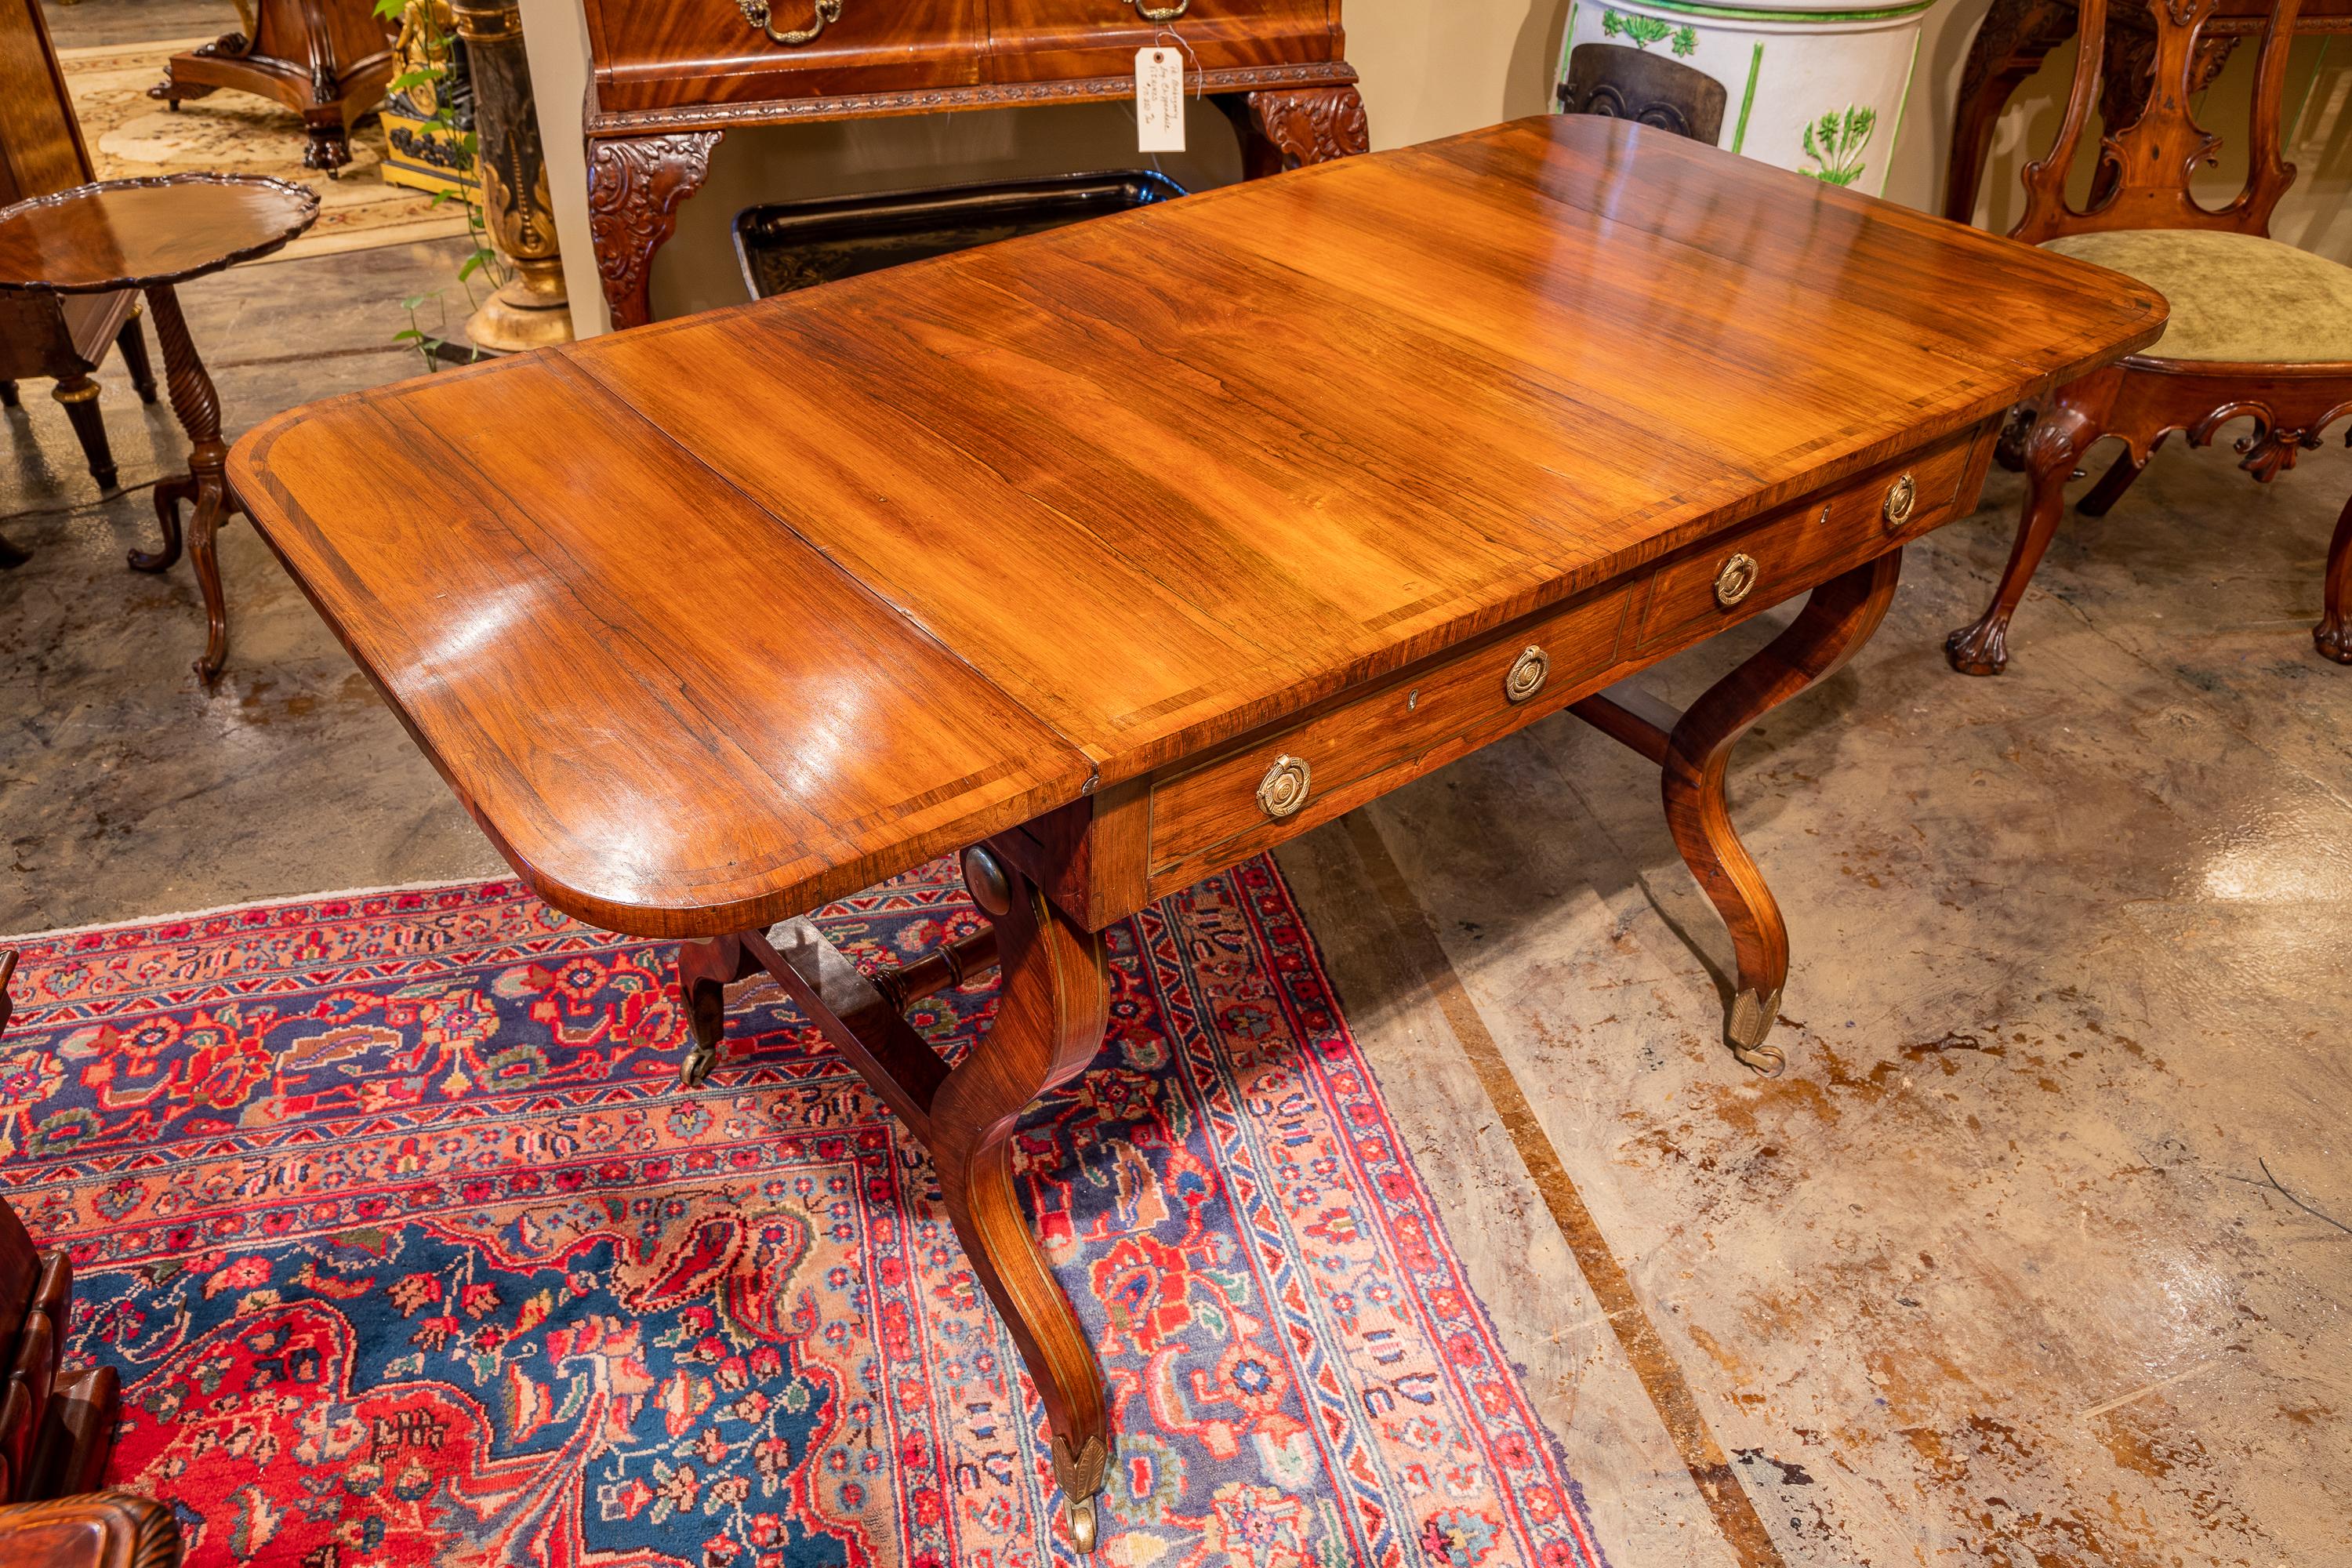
(2017, 35)
(1110, 587)
(667, 81)
(329, 61)
(155, 234)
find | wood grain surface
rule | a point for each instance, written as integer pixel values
(713, 620)
(129, 234)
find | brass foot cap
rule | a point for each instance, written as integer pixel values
(1751, 1021)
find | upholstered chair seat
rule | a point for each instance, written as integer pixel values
(2237, 298)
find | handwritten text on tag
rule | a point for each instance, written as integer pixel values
(1159, 100)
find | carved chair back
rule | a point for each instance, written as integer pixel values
(2145, 168)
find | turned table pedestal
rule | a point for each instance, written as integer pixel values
(154, 235)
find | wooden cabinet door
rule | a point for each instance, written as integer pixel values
(1046, 40)
(655, 55)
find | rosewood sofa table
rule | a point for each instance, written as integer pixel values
(155, 234)
(1112, 556)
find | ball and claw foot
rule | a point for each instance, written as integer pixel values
(1751, 1021)
(695, 1070)
(1085, 1522)
(2334, 642)
(1980, 649)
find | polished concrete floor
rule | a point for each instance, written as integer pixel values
(2037, 1254)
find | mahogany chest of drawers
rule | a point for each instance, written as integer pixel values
(666, 81)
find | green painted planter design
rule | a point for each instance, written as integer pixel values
(1754, 79)
(1835, 144)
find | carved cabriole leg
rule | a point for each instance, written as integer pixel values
(1837, 619)
(1052, 1008)
(2076, 418)
(2334, 633)
(2128, 467)
(169, 494)
(634, 184)
(1289, 128)
(197, 406)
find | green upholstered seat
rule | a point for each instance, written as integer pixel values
(2236, 298)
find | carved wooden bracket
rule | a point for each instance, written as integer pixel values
(634, 184)
(2271, 446)
(1290, 128)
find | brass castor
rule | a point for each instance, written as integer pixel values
(699, 1059)
(1085, 1522)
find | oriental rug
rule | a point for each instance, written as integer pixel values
(410, 1249)
(129, 135)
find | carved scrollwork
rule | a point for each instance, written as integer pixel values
(2270, 448)
(634, 184)
(757, 13)
(1289, 130)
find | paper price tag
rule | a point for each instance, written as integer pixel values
(1160, 100)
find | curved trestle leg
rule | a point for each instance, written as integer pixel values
(1051, 1011)
(1693, 751)
(1837, 619)
(2076, 418)
(2334, 633)
(1053, 1006)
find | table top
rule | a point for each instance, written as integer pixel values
(713, 620)
(132, 234)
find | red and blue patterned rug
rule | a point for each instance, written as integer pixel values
(411, 1250)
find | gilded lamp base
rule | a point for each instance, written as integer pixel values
(530, 311)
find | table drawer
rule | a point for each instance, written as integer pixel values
(1783, 552)
(1035, 40)
(1368, 744)
(711, 52)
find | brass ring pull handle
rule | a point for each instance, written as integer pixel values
(1902, 496)
(1527, 674)
(1284, 789)
(1735, 580)
(756, 13)
(1150, 13)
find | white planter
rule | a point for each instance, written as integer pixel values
(1819, 88)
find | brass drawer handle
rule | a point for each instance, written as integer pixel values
(1284, 789)
(1735, 580)
(1160, 13)
(756, 13)
(1902, 496)
(1526, 675)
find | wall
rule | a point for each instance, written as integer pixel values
(1430, 67)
